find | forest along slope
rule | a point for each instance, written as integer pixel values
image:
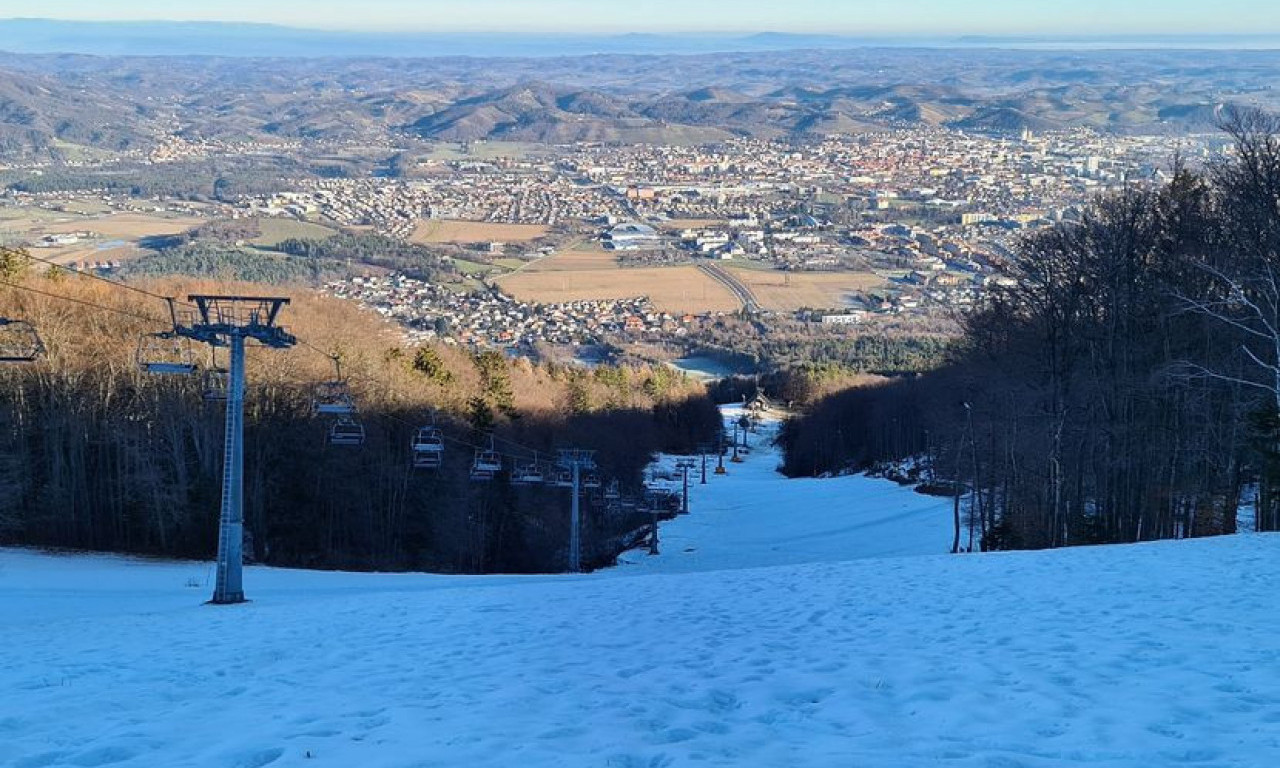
(753, 517)
(1156, 654)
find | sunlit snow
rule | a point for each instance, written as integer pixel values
(786, 623)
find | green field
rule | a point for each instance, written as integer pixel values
(80, 153)
(473, 268)
(276, 231)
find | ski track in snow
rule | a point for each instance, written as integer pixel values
(796, 623)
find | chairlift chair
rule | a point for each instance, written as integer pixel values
(652, 503)
(428, 448)
(611, 492)
(563, 478)
(427, 460)
(346, 431)
(215, 382)
(166, 354)
(19, 342)
(591, 480)
(487, 460)
(527, 474)
(333, 398)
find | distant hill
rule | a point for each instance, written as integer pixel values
(1003, 120)
(39, 115)
(61, 105)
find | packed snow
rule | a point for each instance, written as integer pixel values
(786, 623)
(753, 518)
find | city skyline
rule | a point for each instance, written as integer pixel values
(856, 17)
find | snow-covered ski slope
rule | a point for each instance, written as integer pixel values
(873, 652)
(754, 518)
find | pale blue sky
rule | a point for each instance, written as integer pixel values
(870, 17)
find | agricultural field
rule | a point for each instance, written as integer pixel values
(113, 237)
(573, 261)
(671, 289)
(452, 231)
(475, 268)
(277, 230)
(126, 226)
(571, 275)
(111, 250)
(18, 221)
(789, 291)
(672, 225)
(83, 208)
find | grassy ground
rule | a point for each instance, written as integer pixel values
(111, 237)
(450, 231)
(276, 231)
(126, 226)
(789, 291)
(573, 261)
(473, 268)
(677, 224)
(672, 289)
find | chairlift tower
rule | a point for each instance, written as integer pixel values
(684, 465)
(703, 451)
(654, 509)
(228, 321)
(576, 461)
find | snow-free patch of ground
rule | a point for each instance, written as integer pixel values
(1153, 655)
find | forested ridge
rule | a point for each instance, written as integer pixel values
(218, 251)
(95, 454)
(1127, 389)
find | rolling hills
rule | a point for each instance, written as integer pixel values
(122, 102)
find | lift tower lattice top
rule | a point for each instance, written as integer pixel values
(217, 319)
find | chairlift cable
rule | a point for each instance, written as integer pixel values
(82, 302)
(108, 281)
(514, 457)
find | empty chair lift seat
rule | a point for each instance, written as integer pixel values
(428, 448)
(346, 432)
(166, 354)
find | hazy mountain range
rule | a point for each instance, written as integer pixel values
(117, 102)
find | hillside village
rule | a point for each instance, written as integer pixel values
(490, 318)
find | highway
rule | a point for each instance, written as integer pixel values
(735, 286)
